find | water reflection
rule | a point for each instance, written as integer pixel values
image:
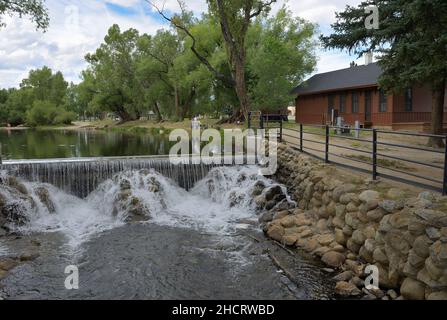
(42, 144)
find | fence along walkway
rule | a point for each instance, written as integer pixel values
(393, 155)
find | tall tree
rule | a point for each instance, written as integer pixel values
(234, 18)
(280, 52)
(412, 41)
(46, 86)
(35, 9)
(113, 68)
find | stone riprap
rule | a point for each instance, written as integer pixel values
(351, 222)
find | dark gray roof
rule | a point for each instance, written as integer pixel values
(359, 76)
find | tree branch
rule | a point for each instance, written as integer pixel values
(226, 80)
(261, 8)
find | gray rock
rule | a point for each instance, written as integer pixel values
(433, 217)
(412, 289)
(273, 192)
(428, 196)
(421, 246)
(266, 217)
(333, 259)
(369, 195)
(344, 276)
(433, 233)
(359, 283)
(439, 295)
(392, 294)
(347, 289)
(358, 237)
(389, 206)
(395, 194)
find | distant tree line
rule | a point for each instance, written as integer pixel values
(177, 73)
(42, 99)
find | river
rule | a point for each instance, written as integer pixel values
(204, 243)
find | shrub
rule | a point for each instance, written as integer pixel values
(64, 117)
(41, 113)
(46, 113)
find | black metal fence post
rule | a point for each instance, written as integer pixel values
(327, 144)
(444, 187)
(374, 154)
(301, 137)
(249, 120)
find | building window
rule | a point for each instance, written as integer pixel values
(409, 99)
(355, 102)
(343, 103)
(383, 101)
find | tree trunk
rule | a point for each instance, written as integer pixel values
(187, 105)
(157, 112)
(237, 116)
(437, 121)
(241, 88)
(177, 103)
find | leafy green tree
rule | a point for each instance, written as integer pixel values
(41, 113)
(280, 54)
(113, 68)
(235, 18)
(16, 106)
(35, 9)
(411, 40)
(46, 86)
(4, 94)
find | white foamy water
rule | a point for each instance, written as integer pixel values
(77, 219)
(3, 250)
(216, 205)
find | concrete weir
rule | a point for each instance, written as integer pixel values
(81, 176)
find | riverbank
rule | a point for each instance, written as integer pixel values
(350, 222)
(131, 125)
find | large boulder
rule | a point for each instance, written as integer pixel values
(44, 197)
(412, 289)
(369, 195)
(333, 259)
(346, 289)
(276, 232)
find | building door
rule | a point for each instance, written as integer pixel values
(368, 105)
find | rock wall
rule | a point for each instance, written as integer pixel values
(351, 222)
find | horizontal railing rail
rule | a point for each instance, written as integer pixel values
(301, 137)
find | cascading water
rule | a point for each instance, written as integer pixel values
(138, 234)
(214, 205)
(81, 177)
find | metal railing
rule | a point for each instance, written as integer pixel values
(374, 166)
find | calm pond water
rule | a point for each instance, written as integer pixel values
(43, 144)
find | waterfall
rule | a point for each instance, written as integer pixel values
(80, 177)
(216, 204)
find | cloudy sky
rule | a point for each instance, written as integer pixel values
(79, 26)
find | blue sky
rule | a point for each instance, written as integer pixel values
(79, 26)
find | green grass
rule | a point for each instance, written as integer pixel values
(382, 162)
(322, 130)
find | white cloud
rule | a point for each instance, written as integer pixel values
(78, 27)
